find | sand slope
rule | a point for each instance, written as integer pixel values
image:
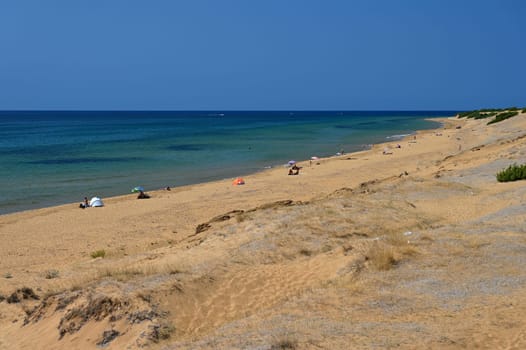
(419, 248)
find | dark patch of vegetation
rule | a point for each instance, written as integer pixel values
(22, 294)
(512, 173)
(50, 274)
(107, 337)
(524, 110)
(140, 316)
(285, 343)
(2, 298)
(97, 308)
(66, 300)
(499, 114)
(161, 332)
(503, 116)
(478, 114)
(306, 252)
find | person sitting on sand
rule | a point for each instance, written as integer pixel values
(294, 171)
(84, 204)
(142, 195)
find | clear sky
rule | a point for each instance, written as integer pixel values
(262, 55)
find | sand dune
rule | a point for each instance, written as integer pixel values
(417, 248)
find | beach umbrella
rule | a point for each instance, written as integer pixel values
(314, 158)
(238, 181)
(137, 189)
(292, 162)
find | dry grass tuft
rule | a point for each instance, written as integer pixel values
(161, 332)
(381, 257)
(306, 252)
(241, 217)
(122, 274)
(127, 273)
(50, 274)
(285, 342)
(98, 254)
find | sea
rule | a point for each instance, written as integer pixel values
(50, 158)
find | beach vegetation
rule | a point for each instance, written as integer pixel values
(503, 116)
(478, 114)
(524, 110)
(306, 252)
(499, 114)
(50, 274)
(486, 115)
(162, 332)
(8, 275)
(122, 274)
(512, 173)
(284, 342)
(381, 257)
(98, 254)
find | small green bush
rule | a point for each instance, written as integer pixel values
(98, 254)
(485, 115)
(503, 116)
(512, 173)
(523, 110)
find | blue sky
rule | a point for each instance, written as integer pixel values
(262, 55)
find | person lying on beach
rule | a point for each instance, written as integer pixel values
(84, 204)
(142, 195)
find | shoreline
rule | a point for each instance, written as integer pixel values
(263, 170)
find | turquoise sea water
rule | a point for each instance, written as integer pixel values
(49, 158)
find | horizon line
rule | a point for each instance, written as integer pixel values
(233, 110)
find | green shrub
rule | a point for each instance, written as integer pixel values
(485, 115)
(98, 254)
(490, 112)
(512, 173)
(503, 116)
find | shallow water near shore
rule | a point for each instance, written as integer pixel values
(50, 158)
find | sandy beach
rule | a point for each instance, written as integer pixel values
(411, 247)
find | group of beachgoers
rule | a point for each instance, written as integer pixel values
(97, 202)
